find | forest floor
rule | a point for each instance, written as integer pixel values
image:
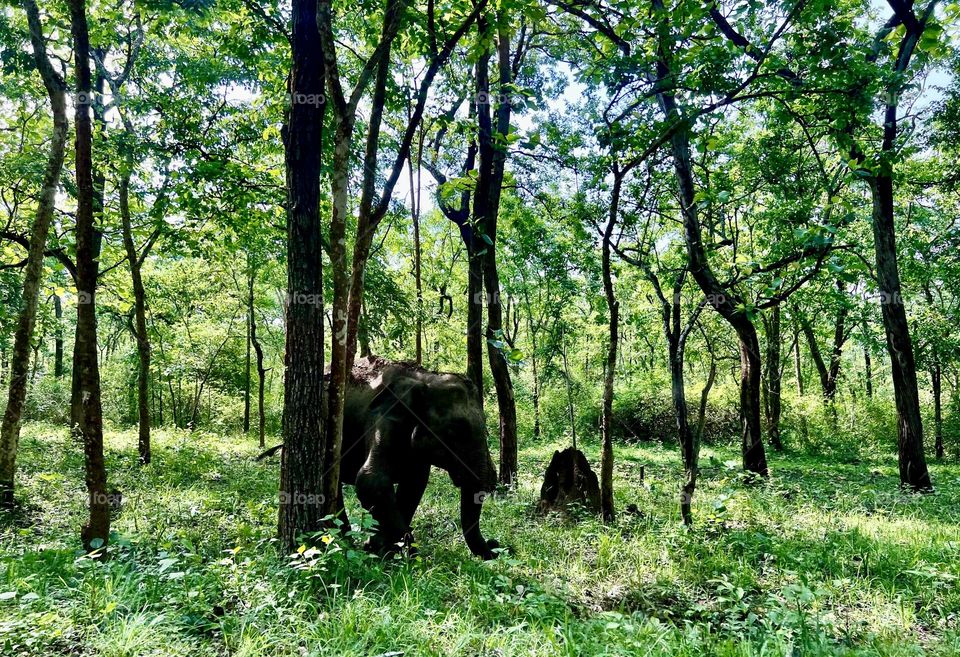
(827, 558)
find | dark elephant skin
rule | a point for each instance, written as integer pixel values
(399, 420)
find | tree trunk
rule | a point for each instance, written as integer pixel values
(730, 307)
(417, 248)
(336, 389)
(913, 463)
(689, 442)
(936, 380)
(492, 151)
(613, 308)
(724, 301)
(774, 379)
(248, 360)
(58, 337)
(301, 473)
(475, 315)
(33, 273)
(140, 322)
(533, 362)
(261, 379)
(566, 378)
(86, 407)
(754, 457)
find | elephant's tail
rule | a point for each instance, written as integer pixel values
(270, 452)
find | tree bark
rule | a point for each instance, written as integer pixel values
(58, 337)
(261, 383)
(912, 462)
(248, 360)
(607, 509)
(936, 380)
(724, 301)
(417, 248)
(86, 406)
(33, 273)
(301, 467)
(140, 322)
(774, 379)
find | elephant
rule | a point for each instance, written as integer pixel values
(401, 419)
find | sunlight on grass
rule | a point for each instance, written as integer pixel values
(843, 564)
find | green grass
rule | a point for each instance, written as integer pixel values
(825, 559)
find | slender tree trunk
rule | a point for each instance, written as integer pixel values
(689, 442)
(301, 473)
(58, 337)
(566, 378)
(774, 379)
(86, 407)
(868, 371)
(704, 398)
(936, 380)
(336, 389)
(613, 308)
(533, 362)
(33, 274)
(140, 322)
(724, 301)
(417, 248)
(261, 383)
(248, 362)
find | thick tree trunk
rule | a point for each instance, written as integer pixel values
(913, 463)
(86, 407)
(33, 274)
(492, 152)
(140, 322)
(754, 457)
(301, 468)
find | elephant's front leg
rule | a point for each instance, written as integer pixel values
(375, 492)
(410, 490)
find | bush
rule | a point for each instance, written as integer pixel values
(642, 416)
(48, 400)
